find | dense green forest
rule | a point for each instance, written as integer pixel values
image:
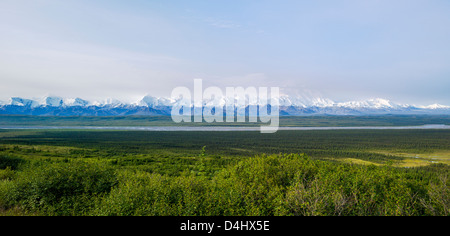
(340, 172)
(303, 121)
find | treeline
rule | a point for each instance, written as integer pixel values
(265, 185)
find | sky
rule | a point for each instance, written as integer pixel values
(342, 50)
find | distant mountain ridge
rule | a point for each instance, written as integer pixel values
(149, 105)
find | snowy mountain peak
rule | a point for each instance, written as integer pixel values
(288, 105)
(47, 102)
(17, 101)
(377, 103)
(110, 102)
(75, 102)
(150, 101)
(52, 101)
(322, 102)
(435, 107)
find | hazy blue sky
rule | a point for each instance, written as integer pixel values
(339, 49)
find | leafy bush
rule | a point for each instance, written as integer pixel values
(6, 174)
(438, 203)
(277, 185)
(339, 189)
(256, 186)
(260, 186)
(11, 162)
(59, 189)
(141, 193)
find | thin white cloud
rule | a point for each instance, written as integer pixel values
(224, 24)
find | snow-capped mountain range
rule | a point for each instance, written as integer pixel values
(149, 105)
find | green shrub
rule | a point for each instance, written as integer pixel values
(297, 185)
(6, 174)
(342, 189)
(11, 162)
(256, 186)
(59, 189)
(141, 193)
(260, 186)
(272, 185)
(438, 201)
